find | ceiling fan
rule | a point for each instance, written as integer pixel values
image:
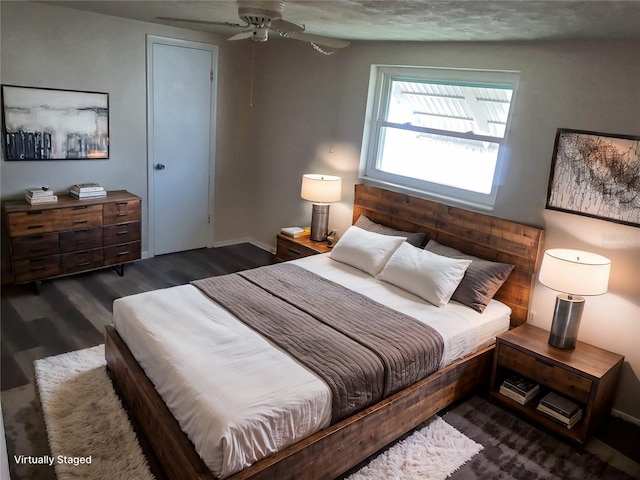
(262, 17)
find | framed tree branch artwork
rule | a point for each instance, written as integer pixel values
(596, 175)
(54, 124)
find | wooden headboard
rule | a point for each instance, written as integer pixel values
(473, 233)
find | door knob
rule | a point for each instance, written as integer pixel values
(159, 166)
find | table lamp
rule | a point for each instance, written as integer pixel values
(575, 273)
(321, 190)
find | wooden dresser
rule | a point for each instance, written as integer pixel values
(72, 235)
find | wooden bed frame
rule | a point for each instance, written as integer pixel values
(340, 447)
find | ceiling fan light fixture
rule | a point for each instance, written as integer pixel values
(260, 34)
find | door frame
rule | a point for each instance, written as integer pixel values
(174, 42)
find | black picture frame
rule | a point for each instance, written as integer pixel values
(596, 175)
(54, 124)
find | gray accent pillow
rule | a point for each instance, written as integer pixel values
(414, 238)
(481, 281)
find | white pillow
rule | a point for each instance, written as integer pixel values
(423, 273)
(367, 251)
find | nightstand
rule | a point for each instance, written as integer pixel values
(587, 375)
(290, 248)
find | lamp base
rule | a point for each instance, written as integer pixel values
(319, 222)
(566, 321)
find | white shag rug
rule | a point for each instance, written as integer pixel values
(432, 453)
(85, 420)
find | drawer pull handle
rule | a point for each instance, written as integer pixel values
(122, 203)
(122, 214)
(83, 264)
(293, 250)
(78, 222)
(36, 237)
(544, 362)
(37, 212)
(123, 253)
(82, 240)
(36, 249)
(80, 207)
(122, 232)
(82, 230)
(32, 227)
(37, 269)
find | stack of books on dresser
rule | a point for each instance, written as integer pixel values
(87, 190)
(40, 195)
(519, 388)
(560, 409)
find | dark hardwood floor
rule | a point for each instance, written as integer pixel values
(70, 314)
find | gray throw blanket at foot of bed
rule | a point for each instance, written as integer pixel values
(363, 350)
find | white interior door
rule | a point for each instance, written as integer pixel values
(181, 96)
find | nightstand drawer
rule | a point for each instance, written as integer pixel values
(288, 250)
(545, 372)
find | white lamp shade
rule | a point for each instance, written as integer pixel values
(575, 272)
(321, 188)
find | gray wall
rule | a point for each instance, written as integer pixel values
(56, 47)
(309, 118)
(308, 115)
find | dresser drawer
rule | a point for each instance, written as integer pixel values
(78, 261)
(121, 253)
(32, 221)
(545, 372)
(39, 245)
(121, 233)
(82, 216)
(120, 212)
(36, 268)
(80, 239)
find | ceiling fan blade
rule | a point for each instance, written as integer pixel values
(202, 22)
(282, 26)
(242, 35)
(320, 40)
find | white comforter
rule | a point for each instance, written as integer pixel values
(237, 396)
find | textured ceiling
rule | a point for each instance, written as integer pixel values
(414, 20)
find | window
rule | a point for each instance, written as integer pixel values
(438, 131)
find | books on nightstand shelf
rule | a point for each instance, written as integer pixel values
(519, 388)
(87, 190)
(38, 195)
(560, 409)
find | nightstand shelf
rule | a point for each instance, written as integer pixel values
(290, 248)
(586, 375)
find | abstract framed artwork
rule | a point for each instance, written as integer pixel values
(596, 175)
(54, 124)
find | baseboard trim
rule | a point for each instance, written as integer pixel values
(625, 416)
(251, 240)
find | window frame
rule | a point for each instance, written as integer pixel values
(378, 98)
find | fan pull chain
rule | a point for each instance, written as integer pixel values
(318, 49)
(253, 51)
